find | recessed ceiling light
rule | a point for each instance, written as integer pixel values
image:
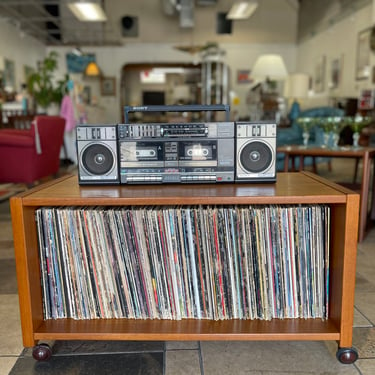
(88, 11)
(242, 10)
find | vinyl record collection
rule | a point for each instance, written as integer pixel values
(198, 262)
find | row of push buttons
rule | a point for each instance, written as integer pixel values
(144, 178)
(198, 178)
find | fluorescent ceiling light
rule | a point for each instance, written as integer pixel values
(168, 70)
(242, 9)
(87, 11)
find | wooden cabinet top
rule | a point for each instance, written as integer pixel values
(290, 188)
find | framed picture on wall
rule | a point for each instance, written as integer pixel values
(243, 76)
(27, 72)
(9, 75)
(363, 54)
(319, 76)
(336, 72)
(77, 64)
(108, 86)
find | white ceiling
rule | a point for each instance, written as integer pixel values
(50, 21)
(182, 22)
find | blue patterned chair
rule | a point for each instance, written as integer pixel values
(293, 134)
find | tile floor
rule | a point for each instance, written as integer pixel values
(173, 358)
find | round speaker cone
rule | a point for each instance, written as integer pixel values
(97, 159)
(256, 157)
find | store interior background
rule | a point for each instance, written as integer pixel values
(303, 32)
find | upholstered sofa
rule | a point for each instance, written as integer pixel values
(31, 154)
(293, 135)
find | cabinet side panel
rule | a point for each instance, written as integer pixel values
(344, 232)
(27, 265)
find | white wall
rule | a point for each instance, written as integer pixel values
(19, 48)
(339, 41)
(274, 20)
(112, 59)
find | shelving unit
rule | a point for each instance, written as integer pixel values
(215, 79)
(290, 188)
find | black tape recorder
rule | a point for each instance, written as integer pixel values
(198, 152)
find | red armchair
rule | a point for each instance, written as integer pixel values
(29, 155)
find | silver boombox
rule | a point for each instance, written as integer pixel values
(158, 153)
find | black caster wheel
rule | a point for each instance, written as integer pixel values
(42, 352)
(347, 356)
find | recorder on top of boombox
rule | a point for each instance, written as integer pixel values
(198, 152)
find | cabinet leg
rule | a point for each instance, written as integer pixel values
(42, 352)
(347, 356)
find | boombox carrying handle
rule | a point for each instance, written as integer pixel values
(178, 108)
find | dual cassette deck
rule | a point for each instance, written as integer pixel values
(158, 153)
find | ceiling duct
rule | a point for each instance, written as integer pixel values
(169, 7)
(186, 8)
(183, 8)
(206, 2)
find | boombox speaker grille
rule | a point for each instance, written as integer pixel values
(97, 159)
(256, 157)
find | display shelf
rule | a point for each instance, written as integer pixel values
(290, 188)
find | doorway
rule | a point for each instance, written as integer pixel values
(159, 84)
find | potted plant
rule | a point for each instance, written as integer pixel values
(42, 86)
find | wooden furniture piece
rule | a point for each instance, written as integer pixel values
(366, 154)
(7, 114)
(22, 122)
(290, 188)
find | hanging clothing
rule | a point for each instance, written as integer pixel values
(67, 112)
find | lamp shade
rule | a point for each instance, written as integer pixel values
(181, 92)
(92, 70)
(269, 67)
(297, 86)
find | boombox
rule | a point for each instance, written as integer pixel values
(195, 152)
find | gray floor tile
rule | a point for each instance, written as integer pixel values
(98, 347)
(364, 342)
(343, 371)
(8, 278)
(365, 302)
(10, 325)
(360, 320)
(181, 345)
(6, 364)
(4, 210)
(366, 366)
(101, 364)
(6, 233)
(363, 284)
(6, 250)
(365, 267)
(221, 358)
(182, 362)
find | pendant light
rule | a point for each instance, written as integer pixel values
(92, 70)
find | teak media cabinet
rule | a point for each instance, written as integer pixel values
(290, 188)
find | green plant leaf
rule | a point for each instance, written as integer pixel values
(41, 85)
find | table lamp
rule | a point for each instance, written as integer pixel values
(269, 68)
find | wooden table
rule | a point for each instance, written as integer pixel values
(364, 153)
